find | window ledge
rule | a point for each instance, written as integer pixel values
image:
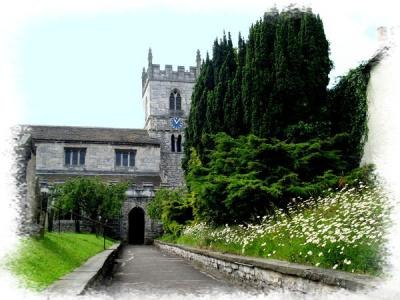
(77, 167)
(178, 112)
(129, 169)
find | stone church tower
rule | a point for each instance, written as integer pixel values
(166, 96)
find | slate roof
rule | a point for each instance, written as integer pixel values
(91, 135)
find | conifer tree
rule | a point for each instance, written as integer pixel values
(236, 124)
(274, 85)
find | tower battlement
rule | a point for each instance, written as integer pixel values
(154, 72)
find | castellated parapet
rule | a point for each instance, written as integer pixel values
(154, 72)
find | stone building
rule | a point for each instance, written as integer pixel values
(147, 158)
(31, 212)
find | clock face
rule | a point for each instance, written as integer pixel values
(176, 123)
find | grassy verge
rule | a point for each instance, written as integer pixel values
(345, 231)
(39, 262)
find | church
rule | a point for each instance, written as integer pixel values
(147, 158)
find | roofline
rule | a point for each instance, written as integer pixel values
(96, 142)
(152, 141)
(86, 127)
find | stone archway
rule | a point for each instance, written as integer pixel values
(136, 227)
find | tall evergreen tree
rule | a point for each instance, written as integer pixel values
(273, 85)
(236, 121)
(197, 122)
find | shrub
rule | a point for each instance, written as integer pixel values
(249, 176)
(173, 208)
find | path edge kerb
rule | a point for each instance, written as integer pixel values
(106, 267)
(82, 278)
(326, 277)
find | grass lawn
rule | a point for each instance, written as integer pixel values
(344, 231)
(39, 262)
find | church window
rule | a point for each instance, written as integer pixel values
(175, 100)
(179, 144)
(178, 102)
(172, 143)
(82, 156)
(74, 156)
(172, 102)
(125, 158)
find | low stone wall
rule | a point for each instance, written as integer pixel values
(267, 273)
(69, 226)
(113, 231)
(86, 276)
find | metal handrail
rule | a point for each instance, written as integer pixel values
(104, 225)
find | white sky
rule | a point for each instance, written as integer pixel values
(79, 62)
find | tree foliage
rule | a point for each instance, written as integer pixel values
(263, 127)
(249, 176)
(173, 208)
(272, 85)
(89, 197)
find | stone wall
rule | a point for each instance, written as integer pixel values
(171, 162)
(31, 220)
(69, 226)
(113, 231)
(157, 98)
(156, 91)
(266, 274)
(154, 72)
(139, 197)
(99, 157)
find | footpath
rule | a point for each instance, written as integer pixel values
(145, 270)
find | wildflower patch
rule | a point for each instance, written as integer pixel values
(343, 231)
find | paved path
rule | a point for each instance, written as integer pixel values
(146, 270)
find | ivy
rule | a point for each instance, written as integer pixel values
(348, 109)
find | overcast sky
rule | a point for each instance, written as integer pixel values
(80, 62)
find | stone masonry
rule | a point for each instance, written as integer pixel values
(265, 274)
(31, 217)
(140, 197)
(157, 86)
(99, 158)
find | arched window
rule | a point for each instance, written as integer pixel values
(178, 102)
(179, 144)
(175, 100)
(172, 143)
(172, 101)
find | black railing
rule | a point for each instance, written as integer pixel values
(100, 226)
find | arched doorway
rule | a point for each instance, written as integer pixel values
(136, 226)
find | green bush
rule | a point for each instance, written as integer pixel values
(173, 208)
(251, 176)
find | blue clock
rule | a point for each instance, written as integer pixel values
(176, 123)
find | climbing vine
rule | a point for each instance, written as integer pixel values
(348, 109)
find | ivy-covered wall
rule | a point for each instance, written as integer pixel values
(348, 107)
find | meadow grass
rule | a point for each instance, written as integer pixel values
(40, 262)
(343, 231)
